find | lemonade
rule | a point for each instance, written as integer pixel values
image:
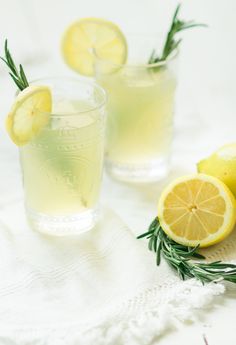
(140, 120)
(62, 167)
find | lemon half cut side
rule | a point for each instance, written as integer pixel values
(197, 210)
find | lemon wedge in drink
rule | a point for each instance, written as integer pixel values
(90, 37)
(197, 209)
(221, 164)
(29, 114)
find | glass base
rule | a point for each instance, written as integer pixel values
(154, 171)
(74, 224)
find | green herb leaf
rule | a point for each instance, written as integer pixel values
(18, 76)
(180, 258)
(171, 44)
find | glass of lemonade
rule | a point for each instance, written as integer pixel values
(140, 112)
(62, 166)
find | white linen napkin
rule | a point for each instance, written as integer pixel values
(101, 287)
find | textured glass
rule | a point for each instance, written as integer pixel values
(140, 118)
(62, 166)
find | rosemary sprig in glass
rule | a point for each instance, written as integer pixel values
(171, 43)
(180, 258)
(18, 75)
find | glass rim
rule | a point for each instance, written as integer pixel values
(76, 80)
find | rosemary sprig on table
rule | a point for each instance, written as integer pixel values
(18, 75)
(171, 43)
(180, 258)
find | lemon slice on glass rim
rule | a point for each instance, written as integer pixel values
(29, 114)
(197, 210)
(90, 37)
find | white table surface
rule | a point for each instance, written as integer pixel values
(205, 114)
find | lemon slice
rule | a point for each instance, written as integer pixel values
(89, 37)
(197, 209)
(29, 114)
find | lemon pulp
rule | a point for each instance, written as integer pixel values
(29, 114)
(89, 38)
(197, 209)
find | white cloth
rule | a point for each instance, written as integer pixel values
(102, 287)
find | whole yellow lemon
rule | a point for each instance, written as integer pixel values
(221, 164)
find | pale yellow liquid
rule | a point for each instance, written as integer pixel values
(140, 115)
(62, 167)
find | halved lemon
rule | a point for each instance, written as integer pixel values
(29, 114)
(90, 37)
(197, 209)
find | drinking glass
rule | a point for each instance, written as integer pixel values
(140, 112)
(62, 166)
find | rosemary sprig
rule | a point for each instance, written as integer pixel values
(180, 258)
(171, 43)
(18, 75)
